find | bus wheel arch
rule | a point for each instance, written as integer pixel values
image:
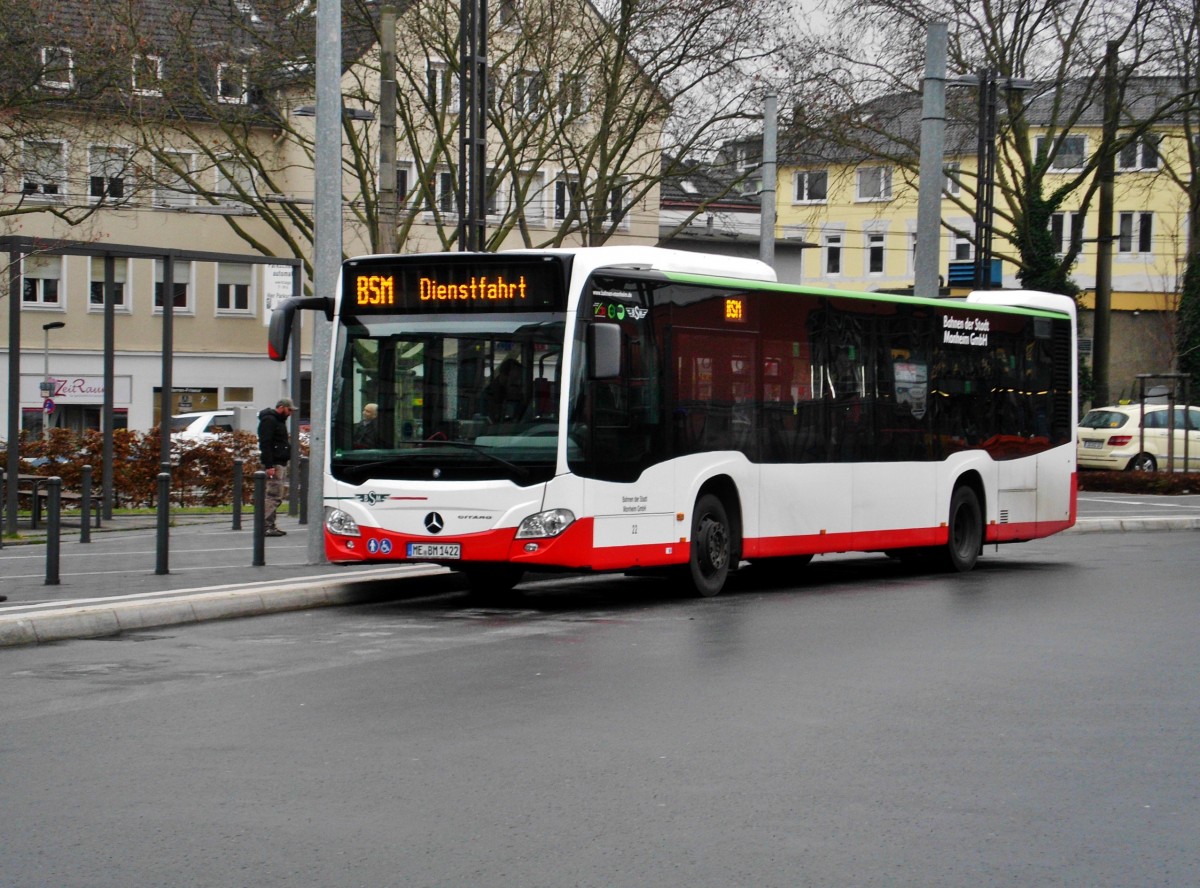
(965, 523)
(716, 536)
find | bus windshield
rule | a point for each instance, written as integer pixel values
(447, 398)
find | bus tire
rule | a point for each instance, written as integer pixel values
(492, 583)
(965, 529)
(711, 546)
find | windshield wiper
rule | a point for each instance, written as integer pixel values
(358, 470)
(521, 471)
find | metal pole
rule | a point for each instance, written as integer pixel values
(163, 542)
(981, 176)
(107, 481)
(53, 528)
(1102, 316)
(327, 246)
(168, 324)
(386, 237)
(932, 172)
(47, 389)
(12, 466)
(766, 199)
(304, 490)
(239, 470)
(260, 518)
(85, 505)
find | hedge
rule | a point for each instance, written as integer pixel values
(201, 473)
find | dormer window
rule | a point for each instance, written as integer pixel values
(231, 83)
(58, 67)
(147, 75)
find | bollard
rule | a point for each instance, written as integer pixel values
(260, 519)
(85, 505)
(164, 523)
(239, 480)
(304, 490)
(53, 527)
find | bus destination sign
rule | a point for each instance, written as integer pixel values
(391, 286)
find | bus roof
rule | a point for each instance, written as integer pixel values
(587, 259)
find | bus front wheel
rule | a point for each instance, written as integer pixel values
(966, 529)
(712, 546)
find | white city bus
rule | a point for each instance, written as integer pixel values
(621, 408)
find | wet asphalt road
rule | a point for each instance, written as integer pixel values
(1030, 723)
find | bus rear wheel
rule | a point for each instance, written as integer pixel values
(966, 530)
(712, 546)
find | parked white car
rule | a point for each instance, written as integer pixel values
(1113, 438)
(201, 427)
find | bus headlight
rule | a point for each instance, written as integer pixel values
(338, 522)
(545, 524)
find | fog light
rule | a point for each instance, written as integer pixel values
(531, 547)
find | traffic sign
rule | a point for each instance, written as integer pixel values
(48, 406)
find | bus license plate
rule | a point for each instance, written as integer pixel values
(1092, 445)
(435, 550)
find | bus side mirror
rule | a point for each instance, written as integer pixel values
(280, 331)
(604, 351)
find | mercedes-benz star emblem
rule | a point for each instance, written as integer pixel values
(434, 522)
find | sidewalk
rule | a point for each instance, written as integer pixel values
(110, 585)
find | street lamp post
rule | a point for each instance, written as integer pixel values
(47, 386)
(989, 83)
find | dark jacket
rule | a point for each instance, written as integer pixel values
(274, 443)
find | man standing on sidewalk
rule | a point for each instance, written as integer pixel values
(275, 450)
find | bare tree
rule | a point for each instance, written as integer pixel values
(1060, 48)
(577, 123)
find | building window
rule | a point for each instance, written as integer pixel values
(181, 274)
(45, 170)
(402, 180)
(147, 75)
(566, 199)
(508, 14)
(442, 88)
(874, 183)
(812, 186)
(173, 182)
(833, 254)
(1140, 154)
(58, 67)
(617, 211)
(42, 280)
(953, 185)
(234, 283)
(1066, 230)
(96, 284)
(1072, 152)
(571, 102)
(747, 157)
(528, 87)
(531, 197)
(235, 181)
(231, 83)
(1135, 232)
(441, 195)
(875, 242)
(962, 250)
(107, 168)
